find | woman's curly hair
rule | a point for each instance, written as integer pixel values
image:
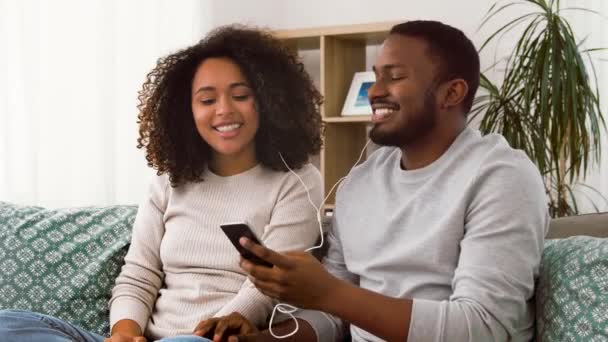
(286, 100)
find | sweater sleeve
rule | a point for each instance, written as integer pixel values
(141, 276)
(504, 231)
(293, 226)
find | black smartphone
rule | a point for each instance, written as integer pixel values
(234, 231)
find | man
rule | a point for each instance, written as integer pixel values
(437, 236)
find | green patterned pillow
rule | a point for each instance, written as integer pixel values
(572, 290)
(63, 262)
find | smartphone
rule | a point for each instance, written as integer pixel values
(234, 231)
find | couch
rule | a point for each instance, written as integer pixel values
(572, 289)
(63, 263)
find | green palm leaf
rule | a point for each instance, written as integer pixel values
(547, 105)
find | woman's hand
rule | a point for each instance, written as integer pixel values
(233, 324)
(124, 338)
(126, 330)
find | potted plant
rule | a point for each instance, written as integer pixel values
(547, 104)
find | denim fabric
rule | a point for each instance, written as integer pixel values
(25, 326)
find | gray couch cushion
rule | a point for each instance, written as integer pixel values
(589, 224)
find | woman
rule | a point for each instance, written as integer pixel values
(216, 120)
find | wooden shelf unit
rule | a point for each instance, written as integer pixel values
(342, 52)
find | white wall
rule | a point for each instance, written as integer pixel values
(70, 71)
(290, 14)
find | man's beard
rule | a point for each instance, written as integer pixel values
(418, 124)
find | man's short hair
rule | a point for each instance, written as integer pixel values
(453, 52)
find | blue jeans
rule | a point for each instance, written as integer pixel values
(25, 326)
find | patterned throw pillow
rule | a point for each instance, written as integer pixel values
(572, 290)
(63, 262)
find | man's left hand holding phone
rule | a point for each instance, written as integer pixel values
(236, 231)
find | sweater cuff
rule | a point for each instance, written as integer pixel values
(426, 321)
(250, 303)
(324, 326)
(128, 308)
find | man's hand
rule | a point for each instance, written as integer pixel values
(124, 338)
(305, 333)
(297, 278)
(234, 323)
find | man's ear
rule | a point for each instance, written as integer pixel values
(454, 93)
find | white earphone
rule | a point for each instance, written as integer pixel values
(290, 309)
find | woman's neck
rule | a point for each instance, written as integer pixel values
(226, 166)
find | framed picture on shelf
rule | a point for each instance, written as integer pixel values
(357, 102)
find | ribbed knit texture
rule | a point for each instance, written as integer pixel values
(181, 268)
